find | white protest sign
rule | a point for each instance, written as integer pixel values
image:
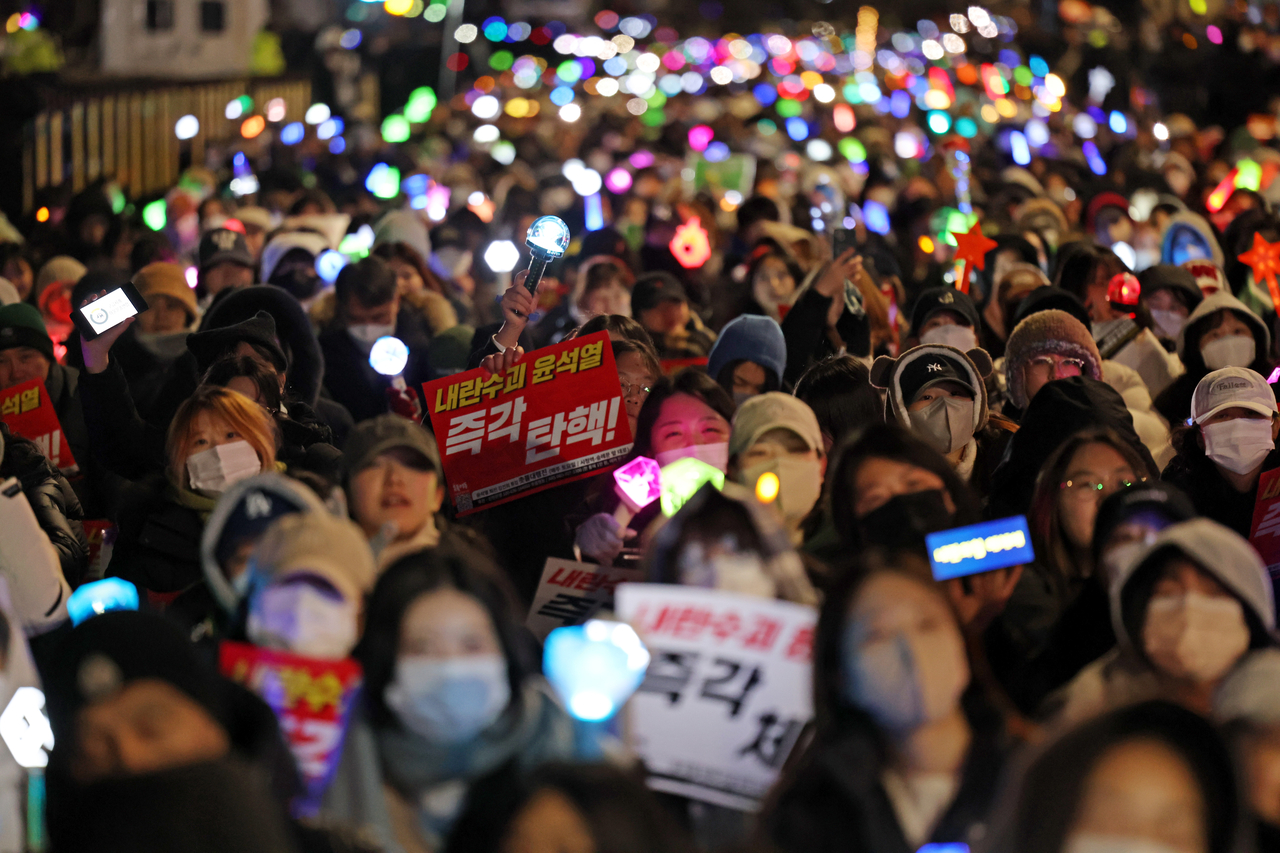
(570, 593)
(727, 692)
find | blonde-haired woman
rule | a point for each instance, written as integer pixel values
(218, 437)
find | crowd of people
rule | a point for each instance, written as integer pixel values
(1104, 367)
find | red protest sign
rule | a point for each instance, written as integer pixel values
(28, 411)
(1264, 532)
(556, 416)
(311, 698)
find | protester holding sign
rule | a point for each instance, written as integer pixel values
(903, 752)
(1229, 444)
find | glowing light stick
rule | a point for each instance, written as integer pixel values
(26, 731)
(94, 599)
(682, 479)
(595, 667)
(548, 239)
(638, 484)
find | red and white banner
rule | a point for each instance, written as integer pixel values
(1264, 532)
(556, 416)
(727, 692)
(28, 411)
(311, 698)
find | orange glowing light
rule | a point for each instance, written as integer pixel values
(252, 126)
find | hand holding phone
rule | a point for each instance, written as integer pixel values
(96, 346)
(106, 310)
(843, 239)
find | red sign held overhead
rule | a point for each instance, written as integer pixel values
(28, 411)
(556, 416)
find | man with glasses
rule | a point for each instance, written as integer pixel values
(1045, 346)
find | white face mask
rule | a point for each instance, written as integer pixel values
(366, 334)
(962, 338)
(1195, 636)
(1169, 323)
(716, 455)
(1239, 445)
(799, 483)
(214, 470)
(730, 570)
(449, 700)
(908, 681)
(301, 619)
(1087, 842)
(946, 424)
(1231, 351)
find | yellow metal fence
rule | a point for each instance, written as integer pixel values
(128, 133)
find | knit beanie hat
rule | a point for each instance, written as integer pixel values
(166, 279)
(751, 337)
(1047, 333)
(210, 344)
(58, 268)
(22, 326)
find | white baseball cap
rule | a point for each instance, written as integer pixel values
(1231, 387)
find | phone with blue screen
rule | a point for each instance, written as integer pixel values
(983, 547)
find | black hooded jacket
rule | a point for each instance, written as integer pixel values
(1062, 408)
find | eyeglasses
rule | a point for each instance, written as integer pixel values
(1095, 487)
(1057, 365)
(629, 390)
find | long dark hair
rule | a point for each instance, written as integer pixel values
(839, 390)
(695, 383)
(451, 566)
(889, 441)
(1041, 803)
(1051, 546)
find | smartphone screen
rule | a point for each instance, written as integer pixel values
(979, 548)
(111, 310)
(841, 239)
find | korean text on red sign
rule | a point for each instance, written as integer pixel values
(312, 699)
(727, 693)
(1264, 532)
(556, 416)
(28, 411)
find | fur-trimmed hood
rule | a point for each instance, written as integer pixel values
(886, 373)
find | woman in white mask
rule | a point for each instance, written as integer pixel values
(1186, 612)
(1149, 778)
(687, 416)
(217, 438)
(944, 315)
(1169, 294)
(1220, 332)
(451, 697)
(1228, 445)
(897, 760)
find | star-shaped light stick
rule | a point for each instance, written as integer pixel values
(1264, 259)
(971, 247)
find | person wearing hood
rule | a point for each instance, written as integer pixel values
(1169, 295)
(749, 357)
(1060, 409)
(1220, 332)
(1049, 629)
(368, 308)
(238, 521)
(1147, 777)
(308, 575)
(52, 294)
(223, 263)
(776, 434)
(905, 750)
(1228, 444)
(1191, 607)
(1054, 344)
(939, 392)
(289, 262)
(1247, 707)
(217, 438)
(452, 696)
(154, 751)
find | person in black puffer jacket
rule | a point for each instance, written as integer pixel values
(52, 500)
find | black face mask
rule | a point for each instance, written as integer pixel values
(905, 519)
